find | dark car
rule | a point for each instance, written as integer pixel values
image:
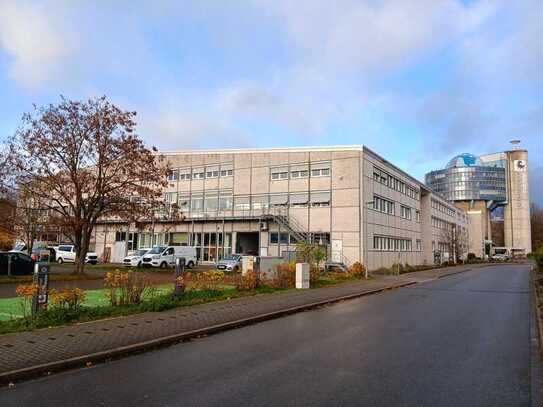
(21, 263)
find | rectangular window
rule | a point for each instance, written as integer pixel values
(260, 202)
(170, 197)
(383, 205)
(173, 175)
(183, 201)
(242, 203)
(227, 170)
(299, 199)
(226, 201)
(212, 171)
(321, 169)
(405, 212)
(274, 238)
(211, 202)
(279, 173)
(320, 199)
(279, 200)
(184, 174)
(119, 237)
(198, 173)
(299, 171)
(419, 245)
(197, 203)
(417, 215)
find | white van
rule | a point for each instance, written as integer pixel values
(164, 256)
(65, 253)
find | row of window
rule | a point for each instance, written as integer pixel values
(443, 208)
(297, 171)
(391, 181)
(224, 200)
(322, 239)
(214, 171)
(441, 224)
(395, 244)
(389, 207)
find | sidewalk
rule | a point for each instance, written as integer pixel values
(46, 350)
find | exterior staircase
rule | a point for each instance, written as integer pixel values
(295, 229)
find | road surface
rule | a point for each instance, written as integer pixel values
(464, 340)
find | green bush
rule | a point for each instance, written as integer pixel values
(538, 257)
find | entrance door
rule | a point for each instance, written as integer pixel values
(337, 251)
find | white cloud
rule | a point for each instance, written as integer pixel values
(31, 34)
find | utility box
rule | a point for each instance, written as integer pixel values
(302, 275)
(267, 266)
(247, 264)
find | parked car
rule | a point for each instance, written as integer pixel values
(66, 254)
(135, 260)
(500, 257)
(39, 250)
(21, 263)
(164, 256)
(230, 263)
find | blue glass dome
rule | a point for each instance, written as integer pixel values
(465, 160)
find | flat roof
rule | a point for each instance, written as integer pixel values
(348, 147)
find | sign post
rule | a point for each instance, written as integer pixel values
(41, 278)
(179, 287)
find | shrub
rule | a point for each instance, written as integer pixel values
(26, 292)
(357, 270)
(67, 298)
(538, 257)
(127, 288)
(408, 268)
(207, 280)
(249, 281)
(471, 256)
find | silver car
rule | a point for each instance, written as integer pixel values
(230, 263)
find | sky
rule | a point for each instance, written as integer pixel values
(417, 81)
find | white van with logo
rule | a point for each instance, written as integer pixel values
(164, 256)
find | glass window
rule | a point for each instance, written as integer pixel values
(242, 203)
(320, 198)
(260, 201)
(279, 200)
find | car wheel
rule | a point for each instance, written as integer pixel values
(190, 264)
(163, 265)
(60, 261)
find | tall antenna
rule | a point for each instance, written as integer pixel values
(515, 144)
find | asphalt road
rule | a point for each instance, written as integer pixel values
(460, 341)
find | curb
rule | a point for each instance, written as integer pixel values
(65, 364)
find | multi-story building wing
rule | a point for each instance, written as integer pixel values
(263, 201)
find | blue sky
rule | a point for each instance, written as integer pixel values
(418, 81)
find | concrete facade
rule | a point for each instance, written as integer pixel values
(262, 201)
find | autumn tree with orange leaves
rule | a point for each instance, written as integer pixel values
(85, 162)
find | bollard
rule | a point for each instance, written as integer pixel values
(179, 287)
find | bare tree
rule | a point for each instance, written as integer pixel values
(455, 240)
(85, 163)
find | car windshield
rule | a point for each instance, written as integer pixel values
(141, 252)
(156, 250)
(19, 247)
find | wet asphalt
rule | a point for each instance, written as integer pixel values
(464, 340)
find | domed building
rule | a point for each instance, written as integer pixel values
(481, 184)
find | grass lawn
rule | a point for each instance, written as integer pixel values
(12, 308)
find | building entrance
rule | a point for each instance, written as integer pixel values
(247, 243)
